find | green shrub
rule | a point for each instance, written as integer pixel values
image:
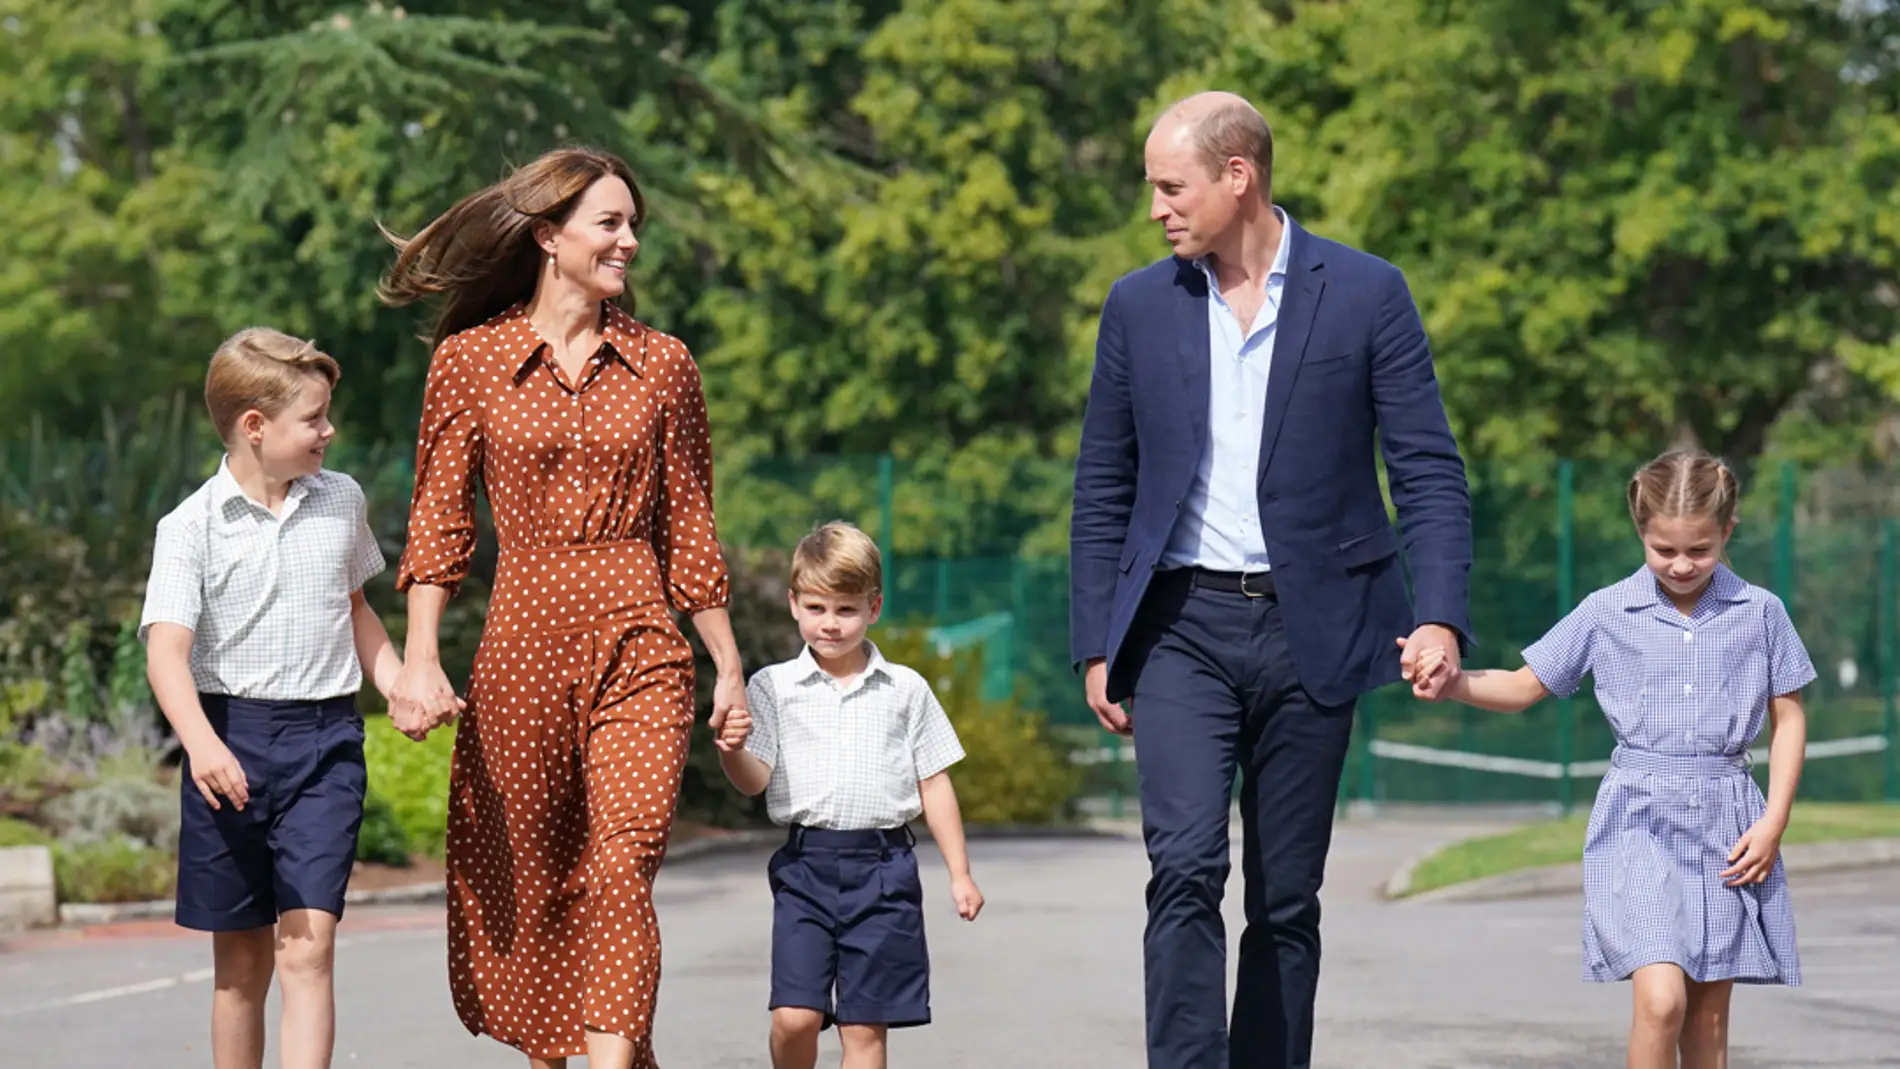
(381, 838)
(412, 780)
(118, 869)
(20, 833)
(1013, 771)
(142, 811)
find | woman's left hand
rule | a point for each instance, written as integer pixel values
(728, 696)
(1752, 857)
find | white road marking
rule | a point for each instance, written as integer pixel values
(195, 976)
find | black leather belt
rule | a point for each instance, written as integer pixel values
(1251, 584)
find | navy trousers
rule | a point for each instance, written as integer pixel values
(1217, 692)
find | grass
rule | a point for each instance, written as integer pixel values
(1559, 842)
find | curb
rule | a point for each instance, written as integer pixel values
(1836, 856)
(81, 914)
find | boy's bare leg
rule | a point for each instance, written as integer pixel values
(1705, 1026)
(241, 971)
(306, 959)
(863, 1045)
(1660, 998)
(795, 1037)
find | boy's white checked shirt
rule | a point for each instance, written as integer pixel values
(267, 598)
(847, 757)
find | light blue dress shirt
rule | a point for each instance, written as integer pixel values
(1219, 523)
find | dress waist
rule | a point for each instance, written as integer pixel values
(560, 587)
(1668, 764)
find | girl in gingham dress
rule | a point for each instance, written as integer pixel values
(1684, 892)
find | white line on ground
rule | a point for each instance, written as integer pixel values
(195, 976)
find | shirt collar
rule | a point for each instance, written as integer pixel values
(225, 489)
(1276, 273)
(1642, 591)
(522, 345)
(808, 670)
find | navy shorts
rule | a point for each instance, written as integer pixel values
(294, 843)
(848, 920)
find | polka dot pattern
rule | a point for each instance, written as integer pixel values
(568, 760)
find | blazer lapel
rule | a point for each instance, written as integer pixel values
(1299, 303)
(1190, 311)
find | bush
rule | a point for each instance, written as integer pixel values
(120, 869)
(20, 833)
(139, 811)
(381, 838)
(411, 781)
(1013, 771)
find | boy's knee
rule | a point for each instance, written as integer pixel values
(305, 952)
(862, 1037)
(794, 1022)
(243, 960)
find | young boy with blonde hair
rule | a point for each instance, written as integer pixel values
(257, 634)
(848, 748)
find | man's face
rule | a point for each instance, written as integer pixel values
(1195, 204)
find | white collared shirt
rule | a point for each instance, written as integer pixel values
(847, 755)
(1219, 523)
(266, 597)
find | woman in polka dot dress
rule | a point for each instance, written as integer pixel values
(587, 430)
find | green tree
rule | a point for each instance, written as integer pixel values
(937, 297)
(1628, 224)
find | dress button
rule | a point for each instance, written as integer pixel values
(1688, 688)
(1688, 636)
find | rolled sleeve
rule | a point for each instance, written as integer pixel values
(685, 536)
(441, 538)
(366, 557)
(174, 590)
(933, 741)
(1562, 657)
(762, 702)
(1789, 667)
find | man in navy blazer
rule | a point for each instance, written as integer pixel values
(1234, 577)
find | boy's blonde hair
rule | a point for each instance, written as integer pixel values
(263, 369)
(837, 558)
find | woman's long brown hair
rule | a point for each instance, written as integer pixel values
(482, 252)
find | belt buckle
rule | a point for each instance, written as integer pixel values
(1244, 576)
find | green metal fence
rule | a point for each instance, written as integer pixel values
(976, 553)
(1545, 534)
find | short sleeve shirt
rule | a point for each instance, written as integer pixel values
(1674, 684)
(266, 597)
(847, 755)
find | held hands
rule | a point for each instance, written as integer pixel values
(969, 900)
(1430, 662)
(215, 770)
(423, 699)
(1752, 857)
(731, 721)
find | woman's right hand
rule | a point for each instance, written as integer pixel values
(422, 699)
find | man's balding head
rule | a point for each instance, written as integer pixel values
(1221, 126)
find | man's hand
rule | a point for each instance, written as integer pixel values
(1095, 688)
(1430, 677)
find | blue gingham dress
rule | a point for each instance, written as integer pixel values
(1686, 696)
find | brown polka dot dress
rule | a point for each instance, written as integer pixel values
(567, 762)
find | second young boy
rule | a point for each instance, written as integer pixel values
(848, 748)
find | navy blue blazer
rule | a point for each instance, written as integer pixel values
(1351, 365)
